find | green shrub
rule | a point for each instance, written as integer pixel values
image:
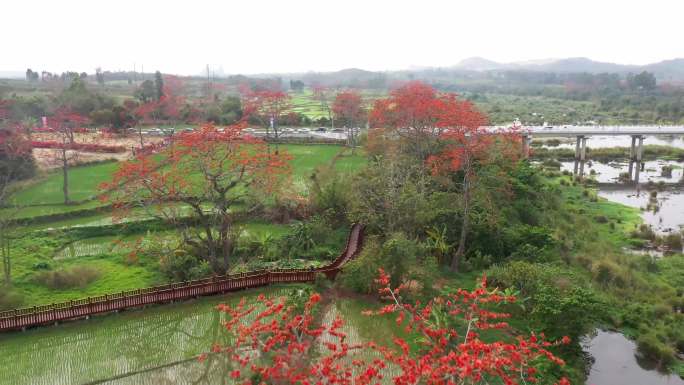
(608, 273)
(41, 266)
(601, 219)
(73, 277)
(556, 300)
(181, 266)
(673, 241)
(651, 347)
(403, 259)
(9, 298)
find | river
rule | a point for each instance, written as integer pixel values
(617, 362)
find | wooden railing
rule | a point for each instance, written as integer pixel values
(46, 314)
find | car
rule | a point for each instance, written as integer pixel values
(338, 130)
(303, 130)
(321, 129)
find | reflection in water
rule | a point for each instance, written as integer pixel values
(666, 215)
(157, 345)
(616, 363)
(610, 172)
(599, 141)
(107, 347)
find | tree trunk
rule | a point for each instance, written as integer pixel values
(456, 259)
(6, 263)
(226, 242)
(65, 173)
(142, 143)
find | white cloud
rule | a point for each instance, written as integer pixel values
(252, 36)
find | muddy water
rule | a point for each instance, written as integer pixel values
(667, 215)
(616, 362)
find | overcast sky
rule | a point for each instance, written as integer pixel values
(254, 36)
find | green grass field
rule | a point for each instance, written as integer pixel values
(83, 185)
(45, 197)
(41, 243)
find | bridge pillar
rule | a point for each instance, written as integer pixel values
(632, 155)
(577, 154)
(639, 156)
(526, 142)
(583, 156)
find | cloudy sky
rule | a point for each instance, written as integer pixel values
(255, 36)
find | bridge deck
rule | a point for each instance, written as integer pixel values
(572, 131)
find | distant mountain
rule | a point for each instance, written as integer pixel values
(667, 70)
(479, 64)
(580, 64)
(671, 70)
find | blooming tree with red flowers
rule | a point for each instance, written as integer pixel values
(445, 132)
(205, 173)
(419, 114)
(269, 106)
(348, 108)
(273, 343)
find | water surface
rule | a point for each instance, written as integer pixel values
(616, 363)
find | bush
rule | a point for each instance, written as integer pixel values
(41, 266)
(9, 298)
(558, 300)
(608, 273)
(652, 348)
(673, 241)
(73, 277)
(403, 259)
(181, 266)
(601, 219)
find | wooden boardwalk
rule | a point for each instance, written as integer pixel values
(47, 314)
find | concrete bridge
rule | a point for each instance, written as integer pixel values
(582, 133)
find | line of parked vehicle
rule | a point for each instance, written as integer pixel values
(168, 131)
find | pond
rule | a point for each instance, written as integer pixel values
(616, 362)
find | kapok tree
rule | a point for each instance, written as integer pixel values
(348, 108)
(274, 343)
(269, 106)
(206, 174)
(64, 122)
(419, 114)
(466, 151)
(445, 132)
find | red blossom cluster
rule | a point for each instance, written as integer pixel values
(275, 344)
(417, 108)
